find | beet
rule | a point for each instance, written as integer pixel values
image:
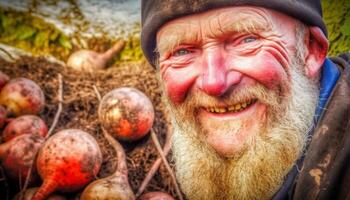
(17, 156)
(156, 196)
(28, 194)
(115, 186)
(3, 79)
(68, 160)
(87, 60)
(126, 113)
(26, 124)
(3, 114)
(22, 96)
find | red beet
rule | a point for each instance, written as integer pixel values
(156, 196)
(28, 194)
(17, 156)
(3, 114)
(3, 79)
(26, 124)
(126, 113)
(67, 161)
(22, 96)
(88, 60)
(115, 186)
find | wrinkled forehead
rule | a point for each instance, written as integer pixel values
(225, 16)
(219, 21)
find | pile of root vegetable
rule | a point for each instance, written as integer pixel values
(80, 111)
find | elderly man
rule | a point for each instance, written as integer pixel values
(259, 112)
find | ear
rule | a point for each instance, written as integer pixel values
(317, 45)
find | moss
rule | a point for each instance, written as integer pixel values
(337, 18)
(132, 50)
(32, 34)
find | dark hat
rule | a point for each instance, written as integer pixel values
(155, 13)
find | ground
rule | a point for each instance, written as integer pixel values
(80, 111)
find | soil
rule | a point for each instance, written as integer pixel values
(80, 106)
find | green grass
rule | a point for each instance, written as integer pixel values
(34, 35)
(337, 17)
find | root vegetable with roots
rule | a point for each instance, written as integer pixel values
(3, 114)
(28, 194)
(156, 196)
(87, 60)
(115, 186)
(25, 124)
(17, 157)
(3, 79)
(22, 96)
(125, 111)
(67, 162)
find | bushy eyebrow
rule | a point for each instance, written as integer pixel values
(174, 35)
(245, 25)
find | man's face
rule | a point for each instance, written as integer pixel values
(234, 79)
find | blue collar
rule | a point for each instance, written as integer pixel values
(329, 77)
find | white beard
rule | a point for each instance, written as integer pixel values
(258, 170)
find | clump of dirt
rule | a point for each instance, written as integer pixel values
(80, 111)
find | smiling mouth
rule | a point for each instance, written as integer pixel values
(231, 109)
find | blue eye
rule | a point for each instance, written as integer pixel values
(181, 52)
(249, 39)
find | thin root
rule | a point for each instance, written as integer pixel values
(155, 166)
(167, 166)
(60, 102)
(59, 110)
(121, 166)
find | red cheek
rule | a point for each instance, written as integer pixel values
(263, 68)
(271, 73)
(178, 83)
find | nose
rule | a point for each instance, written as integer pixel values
(214, 79)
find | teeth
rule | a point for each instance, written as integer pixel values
(234, 108)
(238, 106)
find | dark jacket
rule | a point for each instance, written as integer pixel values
(326, 170)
